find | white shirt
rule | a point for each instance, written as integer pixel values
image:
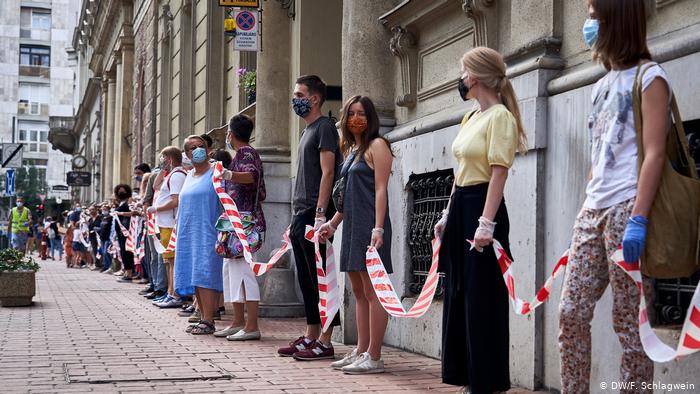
(172, 184)
(613, 137)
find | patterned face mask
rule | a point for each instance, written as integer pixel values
(301, 106)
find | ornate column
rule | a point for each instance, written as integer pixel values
(365, 38)
(272, 112)
(125, 81)
(108, 138)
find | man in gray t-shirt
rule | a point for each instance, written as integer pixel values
(319, 136)
(319, 161)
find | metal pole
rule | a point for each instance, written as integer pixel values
(14, 125)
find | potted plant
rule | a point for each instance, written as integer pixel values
(246, 80)
(17, 278)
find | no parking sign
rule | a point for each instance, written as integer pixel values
(247, 30)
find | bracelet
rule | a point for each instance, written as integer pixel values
(320, 219)
(378, 230)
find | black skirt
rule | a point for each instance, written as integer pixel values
(475, 338)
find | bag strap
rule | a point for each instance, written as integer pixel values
(676, 127)
(344, 171)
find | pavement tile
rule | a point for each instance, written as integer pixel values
(90, 328)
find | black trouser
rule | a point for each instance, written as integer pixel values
(305, 260)
(127, 257)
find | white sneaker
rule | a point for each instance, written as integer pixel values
(364, 365)
(119, 273)
(346, 360)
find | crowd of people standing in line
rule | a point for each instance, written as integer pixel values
(207, 265)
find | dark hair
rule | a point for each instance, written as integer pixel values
(347, 140)
(315, 85)
(223, 156)
(207, 140)
(622, 35)
(121, 186)
(143, 167)
(242, 127)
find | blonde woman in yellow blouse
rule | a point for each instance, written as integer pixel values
(475, 316)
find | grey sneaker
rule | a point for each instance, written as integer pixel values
(346, 360)
(364, 365)
(170, 303)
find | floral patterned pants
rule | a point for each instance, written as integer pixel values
(597, 234)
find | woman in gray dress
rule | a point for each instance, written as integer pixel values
(365, 212)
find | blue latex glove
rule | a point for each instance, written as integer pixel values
(633, 240)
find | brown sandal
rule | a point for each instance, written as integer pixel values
(203, 328)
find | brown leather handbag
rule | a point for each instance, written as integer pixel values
(673, 238)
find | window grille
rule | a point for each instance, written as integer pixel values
(430, 192)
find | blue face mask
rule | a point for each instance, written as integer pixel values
(301, 106)
(590, 31)
(199, 155)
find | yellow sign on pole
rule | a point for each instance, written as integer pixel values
(239, 3)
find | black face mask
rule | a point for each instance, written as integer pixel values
(123, 195)
(463, 89)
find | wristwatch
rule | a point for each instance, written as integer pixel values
(320, 210)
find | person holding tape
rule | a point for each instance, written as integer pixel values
(245, 184)
(364, 211)
(475, 335)
(319, 162)
(171, 179)
(618, 197)
(198, 269)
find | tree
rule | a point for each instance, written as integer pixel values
(30, 182)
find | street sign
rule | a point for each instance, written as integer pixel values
(78, 178)
(11, 155)
(247, 26)
(59, 188)
(239, 3)
(10, 182)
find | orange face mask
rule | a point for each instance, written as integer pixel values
(357, 124)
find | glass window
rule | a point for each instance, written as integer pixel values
(44, 136)
(34, 55)
(23, 135)
(33, 135)
(41, 20)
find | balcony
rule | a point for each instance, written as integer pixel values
(34, 71)
(32, 108)
(61, 133)
(35, 34)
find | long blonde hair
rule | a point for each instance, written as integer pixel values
(486, 65)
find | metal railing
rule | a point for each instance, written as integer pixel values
(34, 71)
(431, 193)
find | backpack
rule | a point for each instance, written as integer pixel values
(673, 238)
(52, 233)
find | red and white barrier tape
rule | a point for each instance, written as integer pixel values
(657, 350)
(385, 289)
(521, 307)
(233, 215)
(328, 290)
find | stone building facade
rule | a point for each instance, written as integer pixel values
(405, 55)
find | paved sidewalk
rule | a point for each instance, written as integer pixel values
(88, 333)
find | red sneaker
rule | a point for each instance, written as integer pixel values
(316, 351)
(299, 344)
